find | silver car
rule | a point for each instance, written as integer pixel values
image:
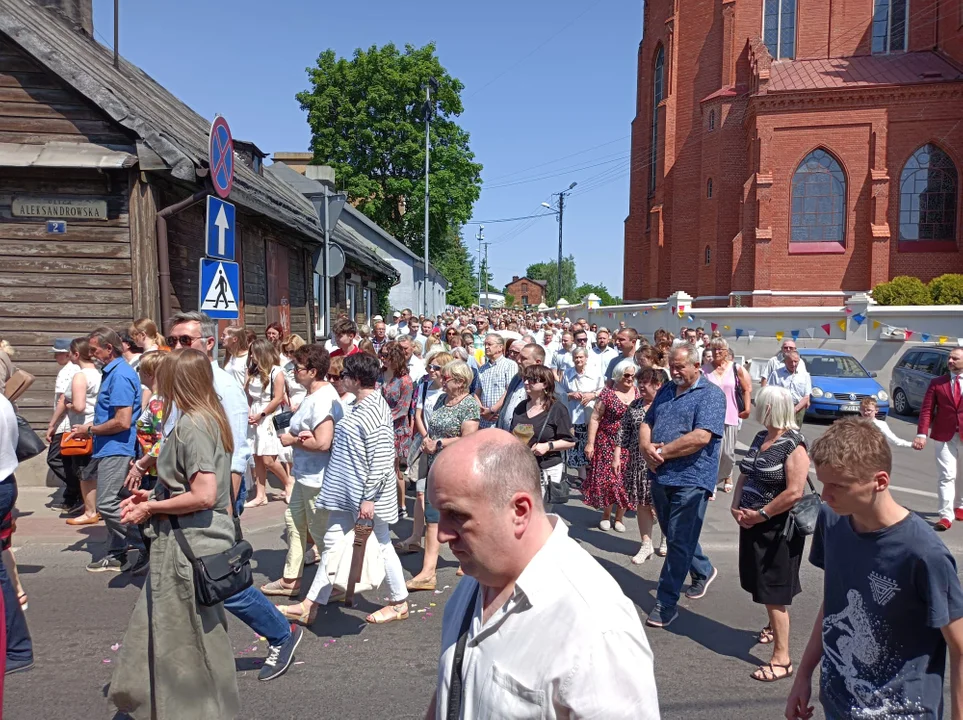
(912, 376)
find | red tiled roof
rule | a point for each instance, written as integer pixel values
(861, 71)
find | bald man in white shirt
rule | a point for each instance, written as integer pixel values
(541, 629)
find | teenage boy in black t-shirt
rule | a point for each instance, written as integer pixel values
(892, 602)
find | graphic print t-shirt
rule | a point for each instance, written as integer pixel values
(887, 594)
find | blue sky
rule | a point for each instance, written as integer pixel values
(550, 91)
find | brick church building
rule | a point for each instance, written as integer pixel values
(794, 146)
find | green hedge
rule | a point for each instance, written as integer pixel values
(903, 290)
(947, 290)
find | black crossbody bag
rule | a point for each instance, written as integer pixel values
(223, 575)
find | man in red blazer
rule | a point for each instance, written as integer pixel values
(943, 407)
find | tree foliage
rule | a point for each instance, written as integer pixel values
(548, 271)
(947, 289)
(902, 290)
(604, 295)
(367, 118)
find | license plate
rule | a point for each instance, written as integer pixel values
(849, 408)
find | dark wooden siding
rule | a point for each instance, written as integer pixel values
(298, 265)
(54, 286)
(36, 108)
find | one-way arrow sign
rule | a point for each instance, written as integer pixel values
(220, 228)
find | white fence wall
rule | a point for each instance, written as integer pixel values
(874, 334)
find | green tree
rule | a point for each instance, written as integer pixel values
(604, 295)
(509, 300)
(902, 290)
(367, 118)
(947, 289)
(548, 271)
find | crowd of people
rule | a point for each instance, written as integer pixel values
(180, 442)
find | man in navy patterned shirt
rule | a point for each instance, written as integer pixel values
(680, 440)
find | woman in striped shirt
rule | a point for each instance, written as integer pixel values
(359, 483)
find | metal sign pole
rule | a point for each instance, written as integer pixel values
(327, 269)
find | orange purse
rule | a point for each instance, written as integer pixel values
(72, 447)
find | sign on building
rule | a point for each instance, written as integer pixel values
(63, 208)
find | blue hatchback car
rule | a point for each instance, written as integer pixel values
(840, 382)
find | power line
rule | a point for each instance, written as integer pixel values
(514, 219)
(564, 157)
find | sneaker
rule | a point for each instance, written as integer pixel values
(644, 553)
(15, 666)
(942, 525)
(280, 656)
(605, 525)
(699, 586)
(663, 548)
(958, 513)
(660, 617)
(142, 565)
(619, 527)
(109, 564)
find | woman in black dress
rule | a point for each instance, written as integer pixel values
(773, 477)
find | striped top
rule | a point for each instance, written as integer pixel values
(766, 471)
(362, 464)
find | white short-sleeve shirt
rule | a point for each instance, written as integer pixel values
(309, 465)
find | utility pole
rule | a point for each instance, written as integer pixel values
(480, 237)
(432, 83)
(559, 211)
(488, 300)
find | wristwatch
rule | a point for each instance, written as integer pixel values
(551, 446)
(762, 511)
(439, 446)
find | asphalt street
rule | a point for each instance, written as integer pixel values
(346, 669)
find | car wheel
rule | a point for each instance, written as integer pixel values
(901, 402)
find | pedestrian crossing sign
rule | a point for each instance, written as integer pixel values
(219, 289)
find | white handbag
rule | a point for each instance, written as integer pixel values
(339, 564)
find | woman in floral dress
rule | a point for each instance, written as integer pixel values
(629, 463)
(603, 488)
(397, 388)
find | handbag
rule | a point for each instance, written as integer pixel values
(29, 444)
(282, 421)
(222, 575)
(76, 446)
(740, 400)
(556, 493)
(17, 384)
(369, 570)
(804, 514)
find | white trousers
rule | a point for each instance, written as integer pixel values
(947, 460)
(339, 524)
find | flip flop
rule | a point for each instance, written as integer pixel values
(379, 618)
(767, 673)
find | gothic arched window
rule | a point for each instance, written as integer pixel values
(818, 199)
(928, 188)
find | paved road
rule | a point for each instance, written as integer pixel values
(350, 670)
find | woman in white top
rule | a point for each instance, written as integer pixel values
(581, 389)
(426, 395)
(234, 342)
(309, 436)
(265, 391)
(81, 398)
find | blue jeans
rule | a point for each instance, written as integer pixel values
(19, 645)
(681, 511)
(258, 613)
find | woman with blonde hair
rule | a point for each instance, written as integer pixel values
(80, 399)
(236, 347)
(168, 623)
(265, 388)
(144, 332)
(736, 385)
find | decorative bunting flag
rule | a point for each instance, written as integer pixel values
(859, 318)
(926, 337)
(714, 326)
(849, 311)
(635, 314)
(655, 307)
(645, 312)
(908, 333)
(811, 332)
(841, 324)
(673, 308)
(680, 313)
(751, 334)
(691, 319)
(738, 333)
(943, 339)
(795, 334)
(876, 324)
(827, 328)
(726, 327)
(779, 336)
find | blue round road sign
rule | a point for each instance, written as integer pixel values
(222, 157)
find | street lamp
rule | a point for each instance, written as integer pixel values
(559, 211)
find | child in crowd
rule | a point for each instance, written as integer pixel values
(868, 407)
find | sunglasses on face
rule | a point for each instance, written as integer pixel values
(436, 368)
(182, 340)
(300, 368)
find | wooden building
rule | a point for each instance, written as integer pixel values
(90, 154)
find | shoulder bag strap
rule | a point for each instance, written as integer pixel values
(456, 688)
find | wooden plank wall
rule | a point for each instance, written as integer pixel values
(54, 286)
(298, 264)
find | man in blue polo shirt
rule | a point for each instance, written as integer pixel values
(115, 439)
(680, 440)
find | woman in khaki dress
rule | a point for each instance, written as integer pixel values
(176, 653)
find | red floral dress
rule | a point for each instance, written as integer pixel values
(602, 487)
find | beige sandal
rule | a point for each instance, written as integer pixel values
(305, 617)
(275, 587)
(379, 618)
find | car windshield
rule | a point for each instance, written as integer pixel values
(838, 366)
